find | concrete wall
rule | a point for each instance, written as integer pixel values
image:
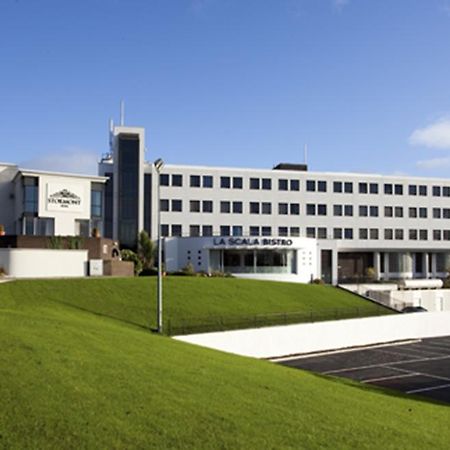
(7, 173)
(43, 263)
(315, 337)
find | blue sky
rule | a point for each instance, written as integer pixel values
(229, 82)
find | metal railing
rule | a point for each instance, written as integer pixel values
(222, 323)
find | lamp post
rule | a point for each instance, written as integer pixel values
(159, 164)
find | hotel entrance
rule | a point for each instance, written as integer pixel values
(274, 261)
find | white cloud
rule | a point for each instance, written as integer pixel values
(72, 160)
(434, 163)
(340, 4)
(435, 135)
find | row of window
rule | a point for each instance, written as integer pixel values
(284, 184)
(311, 232)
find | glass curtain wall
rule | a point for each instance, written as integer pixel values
(259, 261)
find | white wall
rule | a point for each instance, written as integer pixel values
(7, 173)
(43, 263)
(315, 337)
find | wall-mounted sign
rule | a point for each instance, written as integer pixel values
(63, 197)
(264, 242)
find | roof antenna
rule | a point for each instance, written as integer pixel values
(122, 113)
(111, 132)
(305, 154)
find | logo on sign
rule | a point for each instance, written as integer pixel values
(64, 198)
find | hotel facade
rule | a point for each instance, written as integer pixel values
(282, 223)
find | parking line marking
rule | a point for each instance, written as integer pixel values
(416, 391)
(392, 377)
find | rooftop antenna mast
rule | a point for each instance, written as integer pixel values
(122, 113)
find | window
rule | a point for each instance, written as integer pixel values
(177, 180)
(295, 231)
(398, 234)
(436, 191)
(207, 181)
(282, 208)
(266, 208)
(437, 235)
(373, 211)
(398, 189)
(388, 211)
(46, 226)
(446, 235)
(423, 213)
(337, 186)
(267, 184)
(363, 233)
(164, 230)
(362, 187)
(164, 180)
(295, 185)
(310, 209)
(348, 188)
(254, 183)
(348, 210)
(373, 233)
(311, 232)
(413, 235)
(266, 231)
(310, 185)
(207, 230)
(282, 184)
(225, 207)
(295, 209)
(446, 191)
(177, 205)
(412, 212)
(237, 230)
(348, 233)
(30, 195)
(225, 230)
(388, 189)
(322, 186)
(194, 230)
(194, 206)
(388, 233)
(195, 181)
(423, 235)
(237, 183)
(363, 211)
(321, 233)
(207, 206)
(282, 231)
(337, 233)
(177, 230)
(225, 182)
(446, 213)
(164, 205)
(254, 208)
(254, 231)
(422, 190)
(373, 188)
(398, 211)
(436, 213)
(237, 207)
(412, 189)
(337, 210)
(96, 203)
(321, 210)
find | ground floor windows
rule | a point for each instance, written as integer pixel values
(38, 226)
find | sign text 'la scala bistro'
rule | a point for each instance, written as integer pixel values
(265, 242)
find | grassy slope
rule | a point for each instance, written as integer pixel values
(195, 299)
(72, 379)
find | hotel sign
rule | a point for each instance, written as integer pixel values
(62, 197)
(260, 242)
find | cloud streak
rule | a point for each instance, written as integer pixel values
(434, 163)
(340, 4)
(435, 135)
(72, 160)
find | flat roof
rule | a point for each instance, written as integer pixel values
(31, 172)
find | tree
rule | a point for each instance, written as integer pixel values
(146, 250)
(129, 255)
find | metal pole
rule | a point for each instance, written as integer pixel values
(159, 288)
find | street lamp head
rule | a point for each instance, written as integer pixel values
(159, 164)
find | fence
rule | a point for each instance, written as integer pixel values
(223, 323)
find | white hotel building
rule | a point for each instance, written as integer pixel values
(284, 223)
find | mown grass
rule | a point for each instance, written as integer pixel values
(200, 304)
(71, 379)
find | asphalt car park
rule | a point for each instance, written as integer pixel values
(417, 367)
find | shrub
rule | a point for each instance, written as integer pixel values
(146, 250)
(129, 255)
(188, 270)
(317, 281)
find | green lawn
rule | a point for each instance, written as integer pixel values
(71, 379)
(198, 304)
